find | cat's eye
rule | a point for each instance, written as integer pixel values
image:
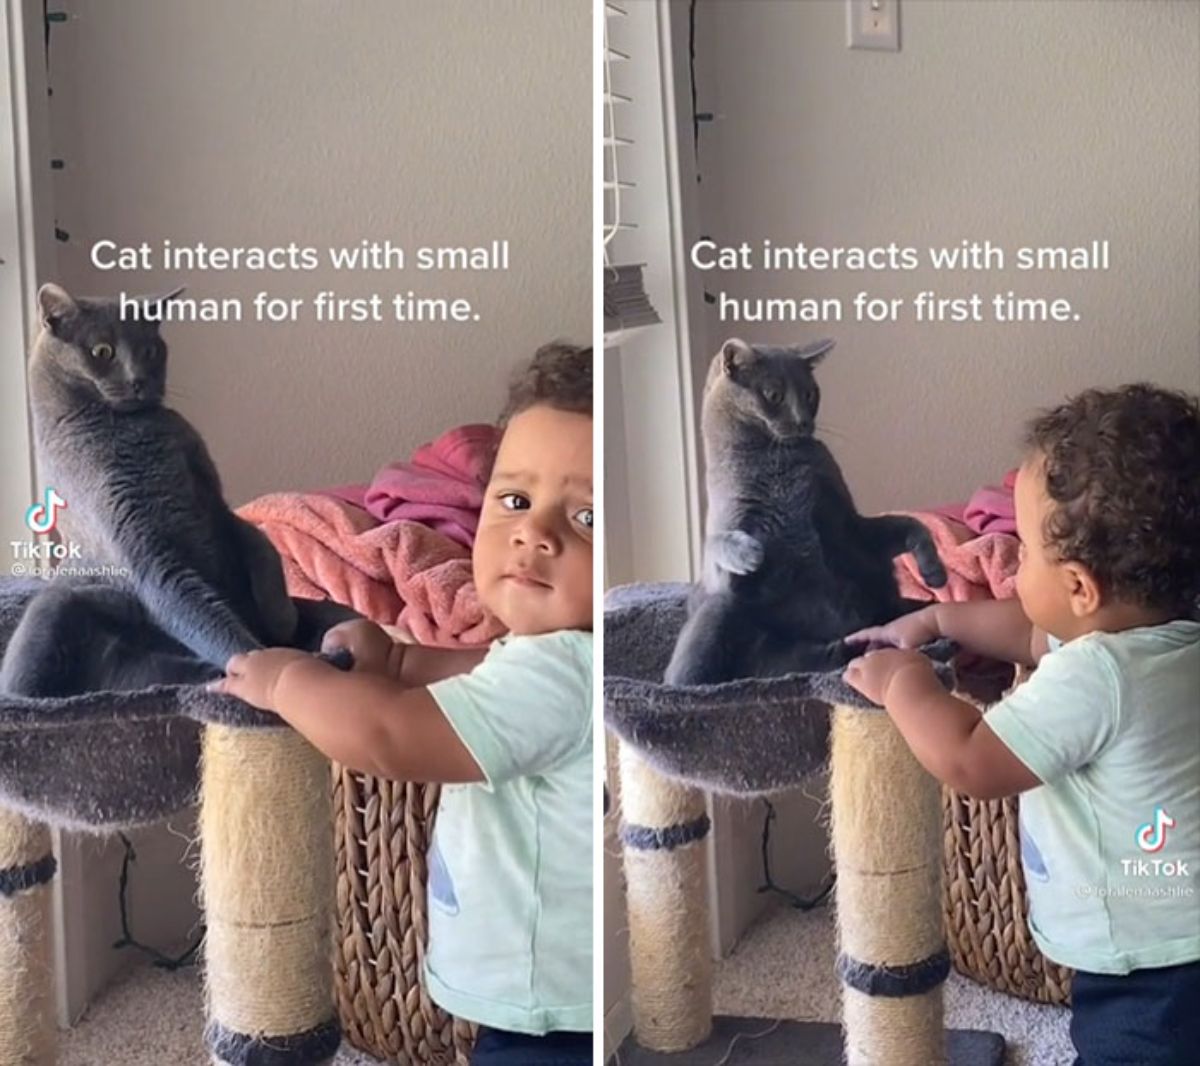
(102, 351)
(773, 395)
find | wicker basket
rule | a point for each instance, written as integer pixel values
(985, 904)
(383, 829)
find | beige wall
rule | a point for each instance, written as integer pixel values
(317, 122)
(1050, 122)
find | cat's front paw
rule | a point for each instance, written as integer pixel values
(933, 573)
(737, 552)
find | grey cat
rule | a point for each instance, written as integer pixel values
(790, 566)
(141, 493)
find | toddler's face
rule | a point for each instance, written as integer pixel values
(533, 551)
(1043, 585)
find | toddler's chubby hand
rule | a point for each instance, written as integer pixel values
(872, 674)
(368, 643)
(252, 677)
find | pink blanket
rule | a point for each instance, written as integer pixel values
(977, 567)
(991, 509)
(441, 486)
(399, 573)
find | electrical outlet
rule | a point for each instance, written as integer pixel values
(873, 24)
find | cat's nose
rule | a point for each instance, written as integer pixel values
(139, 386)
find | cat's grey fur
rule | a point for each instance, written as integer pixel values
(142, 494)
(790, 566)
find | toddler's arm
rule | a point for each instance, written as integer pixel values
(368, 722)
(948, 736)
(998, 629)
(412, 665)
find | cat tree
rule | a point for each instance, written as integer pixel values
(757, 736)
(109, 760)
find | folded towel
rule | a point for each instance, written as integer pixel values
(991, 509)
(441, 486)
(399, 573)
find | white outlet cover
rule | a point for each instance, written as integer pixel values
(873, 24)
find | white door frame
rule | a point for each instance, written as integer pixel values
(29, 254)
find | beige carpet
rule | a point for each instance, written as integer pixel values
(783, 968)
(150, 1018)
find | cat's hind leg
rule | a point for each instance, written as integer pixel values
(716, 643)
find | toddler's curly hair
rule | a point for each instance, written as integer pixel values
(559, 376)
(1123, 469)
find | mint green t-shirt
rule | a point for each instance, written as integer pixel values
(1110, 843)
(510, 868)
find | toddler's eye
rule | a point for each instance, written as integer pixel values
(102, 351)
(584, 517)
(514, 501)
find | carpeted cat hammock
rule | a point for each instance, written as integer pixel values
(756, 736)
(108, 760)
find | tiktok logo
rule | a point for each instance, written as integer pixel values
(43, 517)
(1153, 835)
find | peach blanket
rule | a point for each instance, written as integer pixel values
(399, 573)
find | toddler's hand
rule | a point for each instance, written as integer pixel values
(873, 673)
(252, 677)
(907, 631)
(368, 643)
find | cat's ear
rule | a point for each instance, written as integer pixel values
(154, 304)
(54, 304)
(813, 353)
(735, 353)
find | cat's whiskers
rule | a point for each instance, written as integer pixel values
(829, 431)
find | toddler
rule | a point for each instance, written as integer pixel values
(509, 732)
(1104, 739)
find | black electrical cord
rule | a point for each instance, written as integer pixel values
(768, 885)
(692, 76)
(127, 939)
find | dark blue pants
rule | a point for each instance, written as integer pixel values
(1144, 1018)
(495, 1047)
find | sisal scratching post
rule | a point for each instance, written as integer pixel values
(887, 827)
(27, 1029)
(663, 830)
(267, 858)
